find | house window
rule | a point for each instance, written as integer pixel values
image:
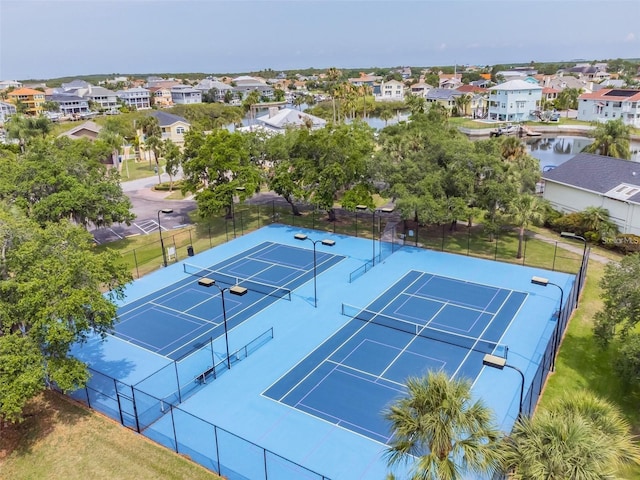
(179, 130)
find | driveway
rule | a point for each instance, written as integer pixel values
(146, 205)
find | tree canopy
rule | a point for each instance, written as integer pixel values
(51, 284)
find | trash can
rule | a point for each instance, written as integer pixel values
(190, 251)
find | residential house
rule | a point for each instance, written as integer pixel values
(173, 127)
(90, 130)
(138, 98)
(279, 120)
(6, 110)
(444, 96)
(550, 94)
(588, 180)
(390, 90)
(244, 85)
(218, 89)
(30, 98)
(87, 129)
(514, 101)
(70, 105)
(420, 89)
(185, 95)
(161, 96)
(449, 80)
(610, 104)
(560, 83)
(365, 79)
(104, 98)
(4, 84)
(161, 82)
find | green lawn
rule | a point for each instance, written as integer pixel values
(62, 440)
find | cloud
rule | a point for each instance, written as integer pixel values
(631, 37)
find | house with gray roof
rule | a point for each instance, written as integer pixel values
(185, 95)
(216, 88)
(173, 127)
(70, 105)
(588, 180)
(244, 85)
(138, 98)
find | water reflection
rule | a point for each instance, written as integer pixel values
(554, 151)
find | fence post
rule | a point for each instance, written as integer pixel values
(468, 240)
(555, 251)
(173, 424)
(86, 389)
(524, 253)
(115, 385)
(135, 408)
(175, 364)
(495, 254)
(215, 436)
(266, 472)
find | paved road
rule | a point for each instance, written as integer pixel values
(146, 204)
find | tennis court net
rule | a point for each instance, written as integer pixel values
(457, 339)
(226, 279)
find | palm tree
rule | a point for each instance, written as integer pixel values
(333, 74)
(386, 114)
(365, 91)
(439, 427)
(524, 210)
(579, 437)
(462, 102)
(611, 140)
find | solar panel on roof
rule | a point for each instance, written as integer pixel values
(620, 93)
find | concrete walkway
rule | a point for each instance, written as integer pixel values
(576, 247)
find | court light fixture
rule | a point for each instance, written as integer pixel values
(499, 363)
(164, 254)
(327, 242)
(556, 340)
(233, 290)
(582, 265)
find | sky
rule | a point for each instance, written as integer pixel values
(56, 38)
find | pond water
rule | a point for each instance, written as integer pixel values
(554, 151)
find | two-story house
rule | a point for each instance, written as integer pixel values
(105, 99)
(6, 110)
(217, 89)
(390, 90)
(514, 101)
(70, 105)
(173, 127)
(138, 98)
(244, 85)
(610, 104)
(185, 95)
(30, 98)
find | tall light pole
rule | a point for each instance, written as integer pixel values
(499, 363)
(373, 227)
(584, 252)
(556, 341)
(233, 213)
(164, 254)
(328, 243)
(235, 290)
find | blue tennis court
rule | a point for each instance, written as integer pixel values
(179, 318)
(423, 322)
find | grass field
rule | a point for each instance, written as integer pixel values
(62, 440)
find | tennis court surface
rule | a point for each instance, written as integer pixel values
(315, 359)
(181, 317)
(423, 322)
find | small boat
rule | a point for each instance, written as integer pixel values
(508, 129)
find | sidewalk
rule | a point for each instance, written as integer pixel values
(576, 248)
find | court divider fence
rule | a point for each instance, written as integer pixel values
(387, 230)
(151, 408)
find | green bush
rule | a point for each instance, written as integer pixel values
(166, 186)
